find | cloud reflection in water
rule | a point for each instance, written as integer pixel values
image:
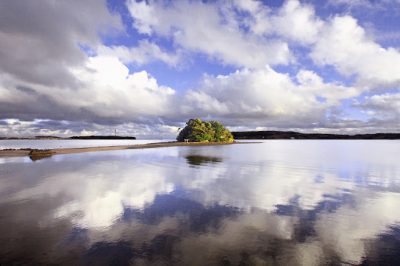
(290, 203)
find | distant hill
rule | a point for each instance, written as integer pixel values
(102, 137)
(298, 135)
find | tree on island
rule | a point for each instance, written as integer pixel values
(204, 131)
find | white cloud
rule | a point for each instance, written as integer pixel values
(110, 90)
(293, 21)
(145, 16)
(207, 31)
(221, 32)
(259, 38)
(345, 45)
(297, 22)
(146, 52)
(385, 106)
(332, 92)
(258, 21)
(266, 95)
(106, 91)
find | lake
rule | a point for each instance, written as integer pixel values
(279, 202)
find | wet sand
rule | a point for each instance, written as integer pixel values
(36, 154)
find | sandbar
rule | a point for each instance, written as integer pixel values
(36, 154)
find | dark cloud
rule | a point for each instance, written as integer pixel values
(39, 106)
(39, 39)
(26, 90)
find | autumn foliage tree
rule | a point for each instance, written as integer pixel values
(204, 131)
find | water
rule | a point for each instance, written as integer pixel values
(69, 143)
(280, 202)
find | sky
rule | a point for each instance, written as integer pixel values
(144, 68)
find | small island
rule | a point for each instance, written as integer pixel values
(197, 130)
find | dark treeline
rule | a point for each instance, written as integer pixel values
(297, 135)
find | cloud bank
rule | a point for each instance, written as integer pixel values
(285, 67)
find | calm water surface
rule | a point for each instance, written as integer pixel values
(283, 202)
(68, 143)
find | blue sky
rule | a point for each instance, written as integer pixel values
(145, 67)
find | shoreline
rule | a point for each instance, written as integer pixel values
(36, 154)
(241, 135)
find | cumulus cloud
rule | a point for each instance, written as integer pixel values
(266, 95)
(297, 22)
(340, 41)
(386, 106)
(142, 54)
(345, 45)
(293, 21)
(107, 91)
(209, 31)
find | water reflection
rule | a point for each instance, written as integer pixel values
(251, 204)
(37, 157)
(197, 160)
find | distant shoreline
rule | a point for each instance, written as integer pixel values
(252, 135)
(297, 135)
(36, 154)
(69, 138)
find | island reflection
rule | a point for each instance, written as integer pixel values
(197, 160)
(152, 207)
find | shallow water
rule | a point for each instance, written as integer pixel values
(280, 202)
(68, 143)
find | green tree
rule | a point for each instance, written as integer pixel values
(204, 131)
